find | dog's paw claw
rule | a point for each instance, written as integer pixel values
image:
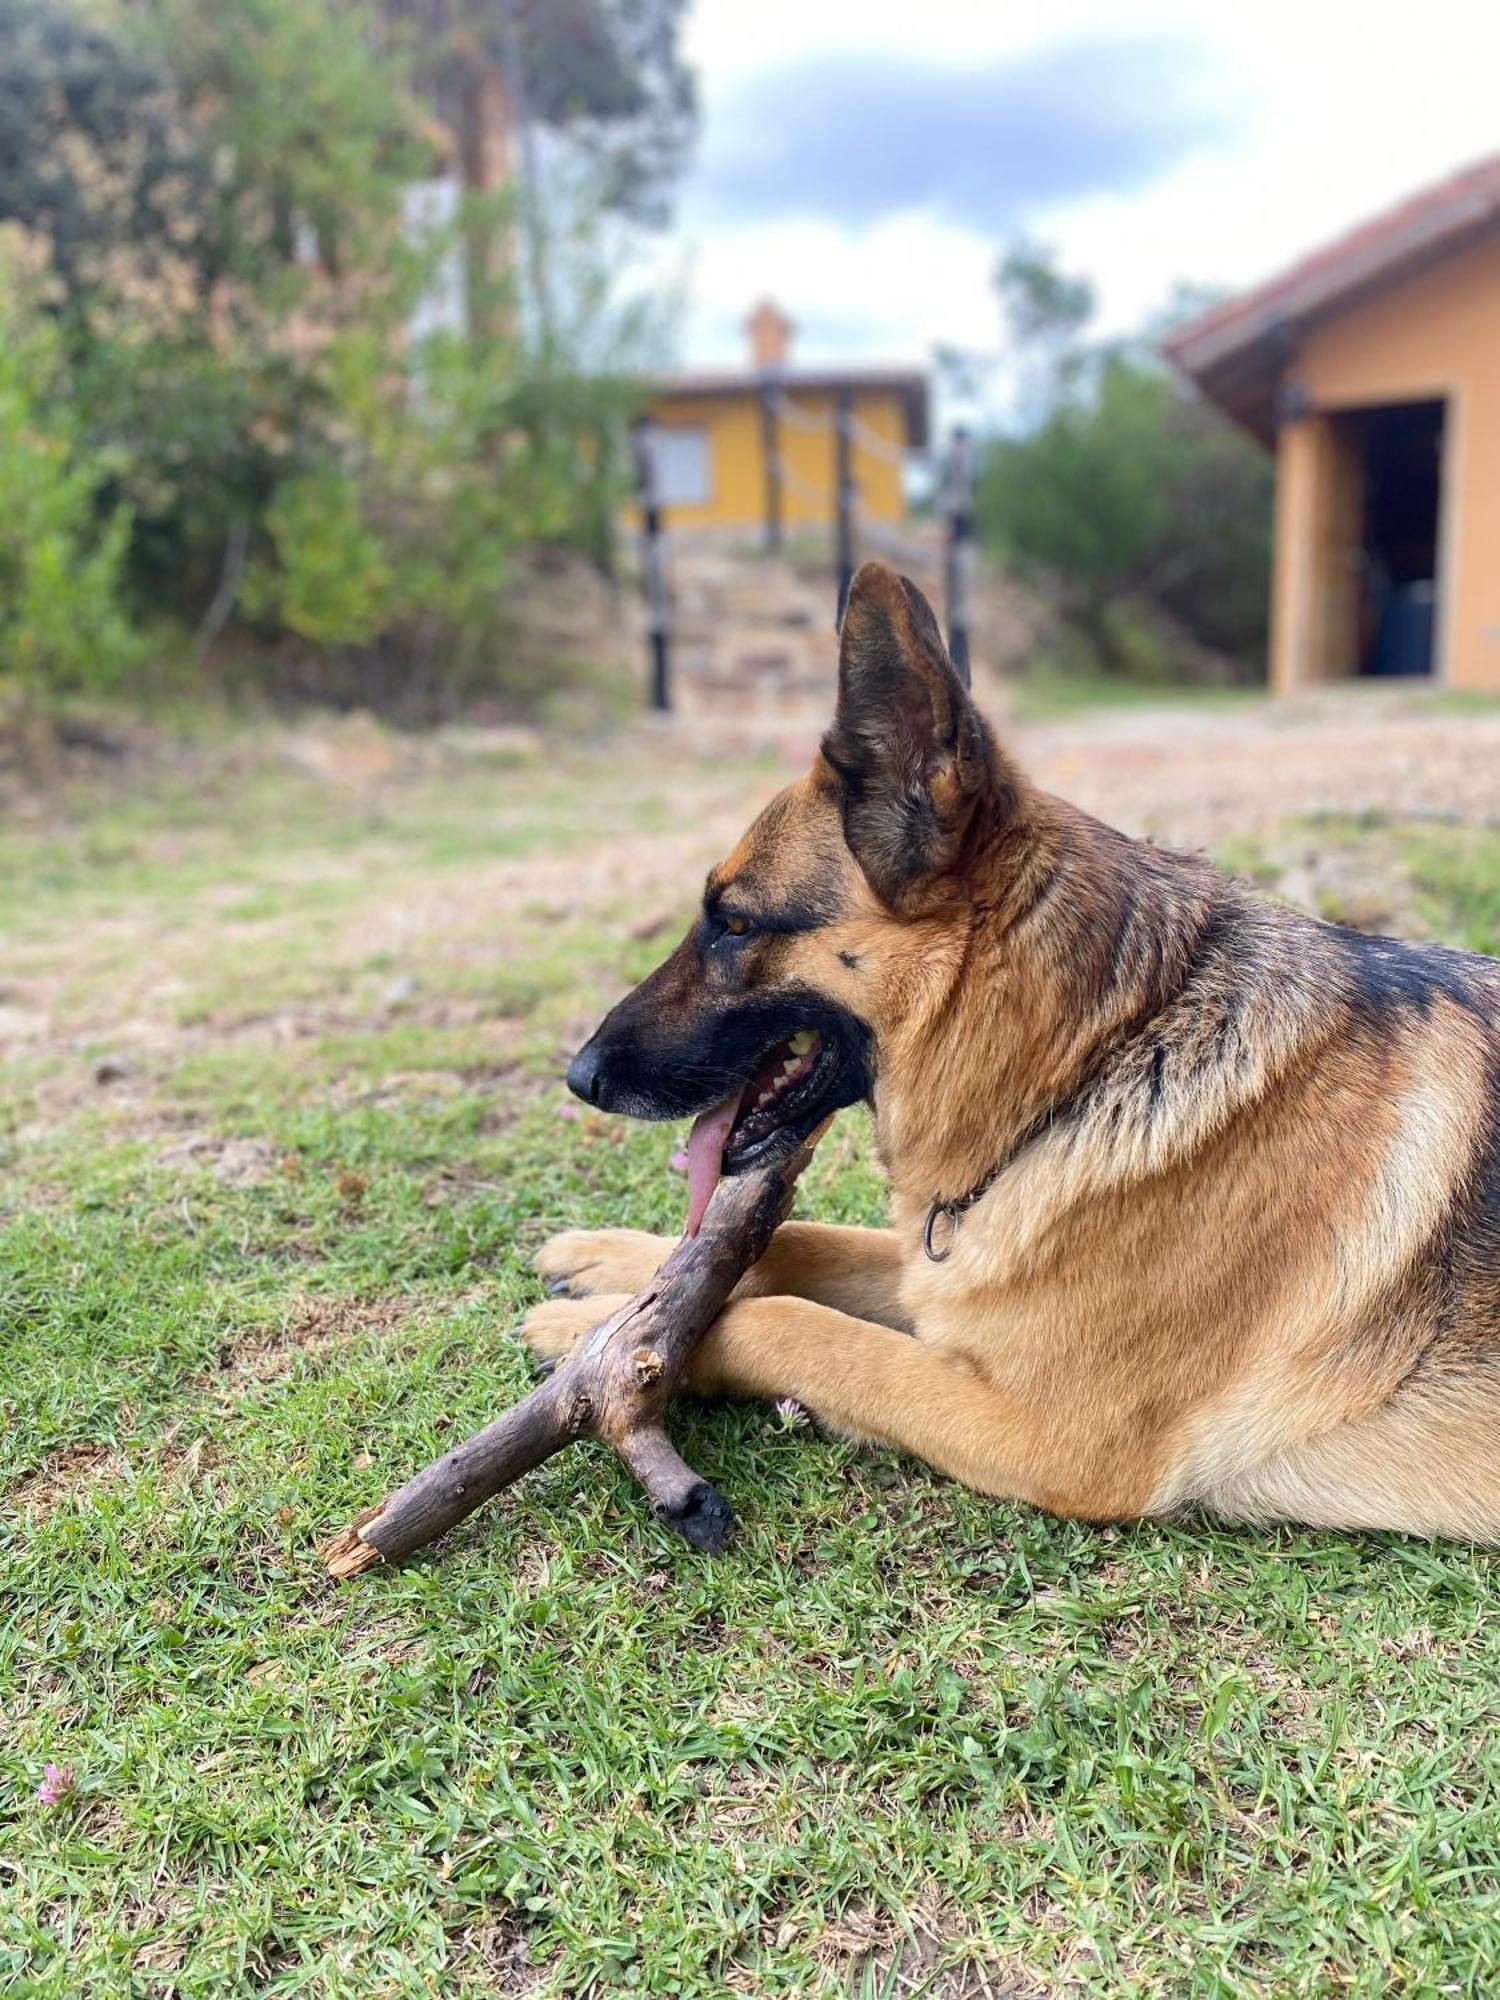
(559, 1288)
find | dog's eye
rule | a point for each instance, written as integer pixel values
(737, 926)
(730, 930)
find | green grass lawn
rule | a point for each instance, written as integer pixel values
(270, 1177)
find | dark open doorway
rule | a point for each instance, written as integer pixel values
(1399, 448)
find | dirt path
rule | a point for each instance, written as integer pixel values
(204, 938)
(1199, 775)
(1200, 779)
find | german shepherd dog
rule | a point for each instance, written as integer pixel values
(1195, 1200)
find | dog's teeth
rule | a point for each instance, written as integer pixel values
(801, 1043)
(764, 1098)
(791, 1066)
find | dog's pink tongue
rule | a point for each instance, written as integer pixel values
(705, 1156)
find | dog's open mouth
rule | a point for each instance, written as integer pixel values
(774, 1111)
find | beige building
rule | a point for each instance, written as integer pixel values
(1372, 369)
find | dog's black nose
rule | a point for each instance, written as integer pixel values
(586, 1074)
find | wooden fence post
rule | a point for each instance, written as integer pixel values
(770, 444)
(658, 611)
(843, 496)
(958, 565)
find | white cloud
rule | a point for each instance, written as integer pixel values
(837, 285)
(1337, 110)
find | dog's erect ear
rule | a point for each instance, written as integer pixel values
(911, 751)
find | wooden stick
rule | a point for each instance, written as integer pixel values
(614, 1386)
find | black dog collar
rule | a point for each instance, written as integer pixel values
(956, 1209)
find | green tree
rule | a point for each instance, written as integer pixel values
(311, 125)
(214, 194)
(249, 393)
(607, 74)
(62, 625)
(1119, 486)
(99, 163)
(1045, 313)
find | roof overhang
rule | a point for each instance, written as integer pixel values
(1238, 353)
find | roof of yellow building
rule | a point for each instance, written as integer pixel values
(909, 384)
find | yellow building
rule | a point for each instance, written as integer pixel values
(732, 445)
(1372, 369)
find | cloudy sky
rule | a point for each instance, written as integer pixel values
(862, 162)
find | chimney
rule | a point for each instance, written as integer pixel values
(770, 334)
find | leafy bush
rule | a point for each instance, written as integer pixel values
(396, 554)
(330, 581)
(1121, 486)
(218, 203)
(62, 623)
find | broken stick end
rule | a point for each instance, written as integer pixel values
(349, 1554)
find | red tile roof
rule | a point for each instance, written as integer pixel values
(1236, 351)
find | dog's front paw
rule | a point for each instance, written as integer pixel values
(554, 1328)
(586, 1262)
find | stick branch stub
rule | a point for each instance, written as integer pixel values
(613, 1386)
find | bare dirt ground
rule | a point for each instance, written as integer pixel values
(1198, 774)
(633, 825)
(1198, 779)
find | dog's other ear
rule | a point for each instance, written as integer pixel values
(914, 758)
